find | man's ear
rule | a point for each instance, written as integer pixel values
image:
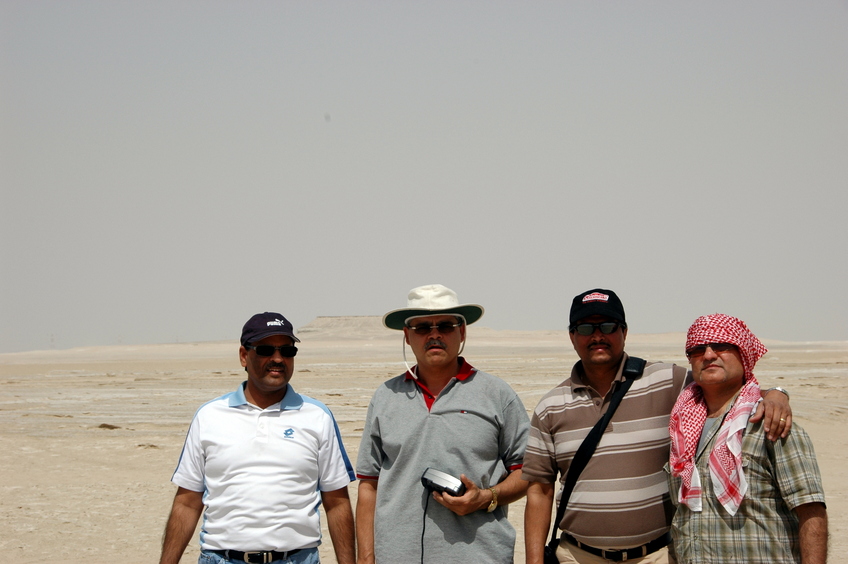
(243, 356)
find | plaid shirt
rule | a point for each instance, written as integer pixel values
(781, 476)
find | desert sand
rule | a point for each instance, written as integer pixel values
(90, 436)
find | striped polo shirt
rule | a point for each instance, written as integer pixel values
(621, 498)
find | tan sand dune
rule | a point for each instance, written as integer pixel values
(90, 436)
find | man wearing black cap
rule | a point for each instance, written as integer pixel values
(261, 460)
(620, 508)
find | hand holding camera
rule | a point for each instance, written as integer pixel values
(467, 498)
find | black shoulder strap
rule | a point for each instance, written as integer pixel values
(633, 369)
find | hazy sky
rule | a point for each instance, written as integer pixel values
(170, 168)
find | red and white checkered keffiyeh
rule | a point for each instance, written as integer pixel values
(690, 413)
(721, 328)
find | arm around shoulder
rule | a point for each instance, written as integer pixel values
(186, 510)
(775, 413)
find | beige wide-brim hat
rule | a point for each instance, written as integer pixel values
(433, 299)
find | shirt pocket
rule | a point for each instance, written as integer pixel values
(757, 468)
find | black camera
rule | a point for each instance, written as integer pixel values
(438, 481)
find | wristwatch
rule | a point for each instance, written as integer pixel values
(494, 503)
(779, 389)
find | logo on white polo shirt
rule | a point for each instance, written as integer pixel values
(288, 433)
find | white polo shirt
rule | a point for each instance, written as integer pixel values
(261, 471)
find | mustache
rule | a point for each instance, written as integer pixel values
(434, 343)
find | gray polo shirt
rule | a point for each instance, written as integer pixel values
(477, 426)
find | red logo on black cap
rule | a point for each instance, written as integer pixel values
(595, 297)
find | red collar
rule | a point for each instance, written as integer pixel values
(465, 370)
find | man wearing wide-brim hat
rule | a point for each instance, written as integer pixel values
(446, 415)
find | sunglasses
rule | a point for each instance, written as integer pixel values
(287, 351)
(587, 329)
(718, 348)
(444, 327)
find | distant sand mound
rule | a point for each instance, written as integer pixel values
(346, 327)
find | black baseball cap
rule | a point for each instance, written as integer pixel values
(596, 302)
(264, 325)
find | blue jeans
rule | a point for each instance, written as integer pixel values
(304, 556)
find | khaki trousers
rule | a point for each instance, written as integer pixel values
(567, 553)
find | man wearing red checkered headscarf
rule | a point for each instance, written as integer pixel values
(731, 486)
(620, 508)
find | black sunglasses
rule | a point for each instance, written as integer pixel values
(287, 351)
(587, 329)
(444, 327)
(701, 350)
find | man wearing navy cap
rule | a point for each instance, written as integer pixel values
(261, 460)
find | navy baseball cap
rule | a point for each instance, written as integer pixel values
(596, 302)
(264, 325)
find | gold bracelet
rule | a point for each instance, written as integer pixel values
(494, 503)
